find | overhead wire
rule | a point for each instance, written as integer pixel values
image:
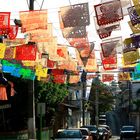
(27, 3)
(40, 6)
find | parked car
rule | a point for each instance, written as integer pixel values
(106, 133)
(94, 131)
(103, 133)
(128, 131)
(69, 134)
(108, 128)
(86, 132)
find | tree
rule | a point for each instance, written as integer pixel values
(105, 98)
(52, 94)
(137, 103)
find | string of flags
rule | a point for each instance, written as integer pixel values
(38, 53)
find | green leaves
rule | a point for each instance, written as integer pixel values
(51, 93)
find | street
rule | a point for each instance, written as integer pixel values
(118, 138)
(115, 138)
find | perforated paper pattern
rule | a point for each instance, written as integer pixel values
(75, 15)
(108, 12)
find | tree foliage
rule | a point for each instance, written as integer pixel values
(137, 103)
(105, 97)
(50, 93)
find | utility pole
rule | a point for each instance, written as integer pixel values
(129, 85)
(83, 79)
(31, 100)
(31, 5)
(97, 100)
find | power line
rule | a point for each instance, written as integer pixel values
(42, 4)
(27, 4)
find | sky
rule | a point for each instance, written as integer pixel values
(14, 6)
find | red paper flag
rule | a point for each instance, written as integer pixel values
(4, 20)
(57, 72)
(107, 77)
(51, 63)
(109, 63)
(60, 79)
(26, 52)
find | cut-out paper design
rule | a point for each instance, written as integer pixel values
(74, 15)
(135, 76)
(40, 35)
(4, 21)
(109, 48)
(134, 17)
(91, 64)
(137, 6)
(74, 32)
(109, 63)
(85, 52)
(12, 32)
(3, 93)
(61, 79)
(74, 79)
(137, 68)
(135, 29)
(124, 3)
(2, 50)
(15, 42)
(26, 52)
(129, 45)
(107, 77)
(131, 57)
(68, 64)
(78, 42)
(10, 53)
(124, 76)
(112, 46)
(32, 20)
(108, 12)
(105, 31)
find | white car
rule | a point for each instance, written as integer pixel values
(108, 128)
(86, 132)
(69, 134)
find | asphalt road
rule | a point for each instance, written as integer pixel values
(118, 138)
(115, 138)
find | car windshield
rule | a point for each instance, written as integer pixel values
(91, 128)
(69, 134)
(128, 128)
